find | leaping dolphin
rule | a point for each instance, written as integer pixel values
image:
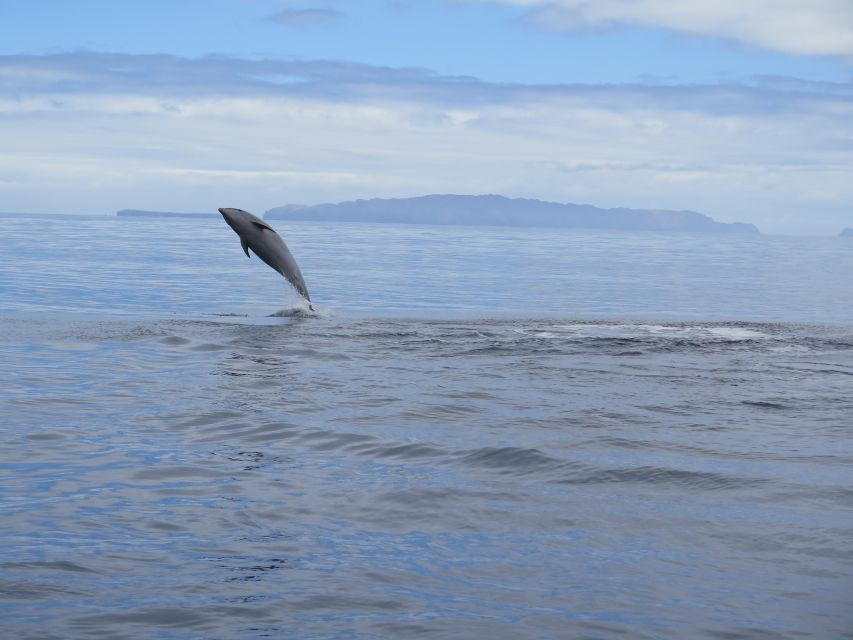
(257, 235)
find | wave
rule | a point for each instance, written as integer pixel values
(530, 464)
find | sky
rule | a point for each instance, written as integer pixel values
(739, 109)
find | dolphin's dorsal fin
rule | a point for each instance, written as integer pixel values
(262, 225)
(245, 246)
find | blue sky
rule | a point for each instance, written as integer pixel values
(741, 110)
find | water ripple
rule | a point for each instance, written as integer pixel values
(364, 478)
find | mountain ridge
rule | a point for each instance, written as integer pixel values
(496, 210)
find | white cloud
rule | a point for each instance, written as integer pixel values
(809, 27)
(191, 134)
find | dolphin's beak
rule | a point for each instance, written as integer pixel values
(230, 219)
(228, 214)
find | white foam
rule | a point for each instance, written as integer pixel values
(625, 330)
(735, 334)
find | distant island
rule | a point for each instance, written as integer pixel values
(846, 231)
(139, 213)
(502, 211)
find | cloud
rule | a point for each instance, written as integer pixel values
(305, 17)
(94, 73)
(110, 131)
(815, 27)
(147, 77)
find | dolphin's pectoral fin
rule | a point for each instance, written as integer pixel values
(245, 246)
(262, 225)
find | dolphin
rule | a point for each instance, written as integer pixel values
(257, 235)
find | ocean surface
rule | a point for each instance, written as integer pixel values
(482, 433)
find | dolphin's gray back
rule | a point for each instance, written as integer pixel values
(270, 248)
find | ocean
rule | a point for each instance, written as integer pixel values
(483, 432)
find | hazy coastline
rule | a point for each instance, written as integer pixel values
(496, 210)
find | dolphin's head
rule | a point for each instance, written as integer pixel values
(236, 218)
(244, 223)
(241, 221)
